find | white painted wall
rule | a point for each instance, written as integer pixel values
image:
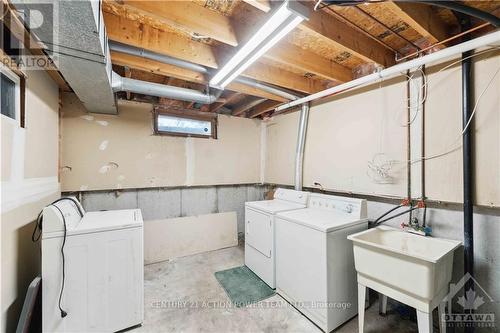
(29, 182)
(346, 131)
(90, 142)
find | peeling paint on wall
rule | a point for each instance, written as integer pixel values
(87, 117)
(107, 167)
(103, 145)
(102, 122)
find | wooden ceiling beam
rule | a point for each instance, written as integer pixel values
(189, 16)
(347, 38)
(344, 37)
(160, 68)
(282, 78)
(135, 33)
(141, 35)
(309, 62)
(262, 108)
(263, 5)
(174, 15)
(420, 17)
(218, 105)
(246, 105)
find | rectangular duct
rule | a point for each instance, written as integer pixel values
(75, 37)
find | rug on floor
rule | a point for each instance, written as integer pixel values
(242, 286)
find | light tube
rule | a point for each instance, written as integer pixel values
(289, 27)
(269, 34)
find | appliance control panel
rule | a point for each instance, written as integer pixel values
(299, 197)
(351, 206)
(53, 216)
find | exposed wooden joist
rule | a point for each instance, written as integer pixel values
(347, 38)
(219, 104)
(188, 15)
(308, 61)
(141, 35)
(420, 17)
(218, 24)
(282, 78)
(247, 90)
(246, 105)
(156, 67)
(262, 108)
(263, 5)
(344, 37)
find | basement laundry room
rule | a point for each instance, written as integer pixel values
(250, 166)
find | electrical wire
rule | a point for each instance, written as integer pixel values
(63, 313)
(474, 110)
(35, 237)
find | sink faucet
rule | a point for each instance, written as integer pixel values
(414, 227)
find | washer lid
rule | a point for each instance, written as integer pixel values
(274, 206)
(109, 220)
(322, 219)
(102, 221)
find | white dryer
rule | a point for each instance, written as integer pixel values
(259, 230)
(101, 286)
(314, 260)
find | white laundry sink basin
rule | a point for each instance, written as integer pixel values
(405, 264)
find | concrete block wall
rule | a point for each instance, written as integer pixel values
(162, 203)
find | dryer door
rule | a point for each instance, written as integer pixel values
(259, 231)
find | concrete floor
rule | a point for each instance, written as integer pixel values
(182, 295)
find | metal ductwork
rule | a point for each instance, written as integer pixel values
(120, 83)
(139, 52)
(75, 37)
(301, 144)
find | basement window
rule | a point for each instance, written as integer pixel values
(191, 125)
(11, 95)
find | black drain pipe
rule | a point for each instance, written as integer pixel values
(467, 159)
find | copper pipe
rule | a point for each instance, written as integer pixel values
(444, 41)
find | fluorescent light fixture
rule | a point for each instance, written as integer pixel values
(281, 22)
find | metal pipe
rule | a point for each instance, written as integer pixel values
(467, 162)
(163, 58)
(119, 83)
(267, 88)
(140, 52)
(471, 11)
(301, 140)
(489, 39)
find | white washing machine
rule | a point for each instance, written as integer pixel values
(101, 286)
(259, 230)
(314, 260)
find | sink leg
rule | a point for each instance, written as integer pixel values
(424, 321)
(361, 307)
(441, 316)
(382, 304)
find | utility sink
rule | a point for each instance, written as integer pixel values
(413, 269)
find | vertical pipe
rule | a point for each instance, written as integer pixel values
(301, 139)
(467, 161)
(408, 141)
